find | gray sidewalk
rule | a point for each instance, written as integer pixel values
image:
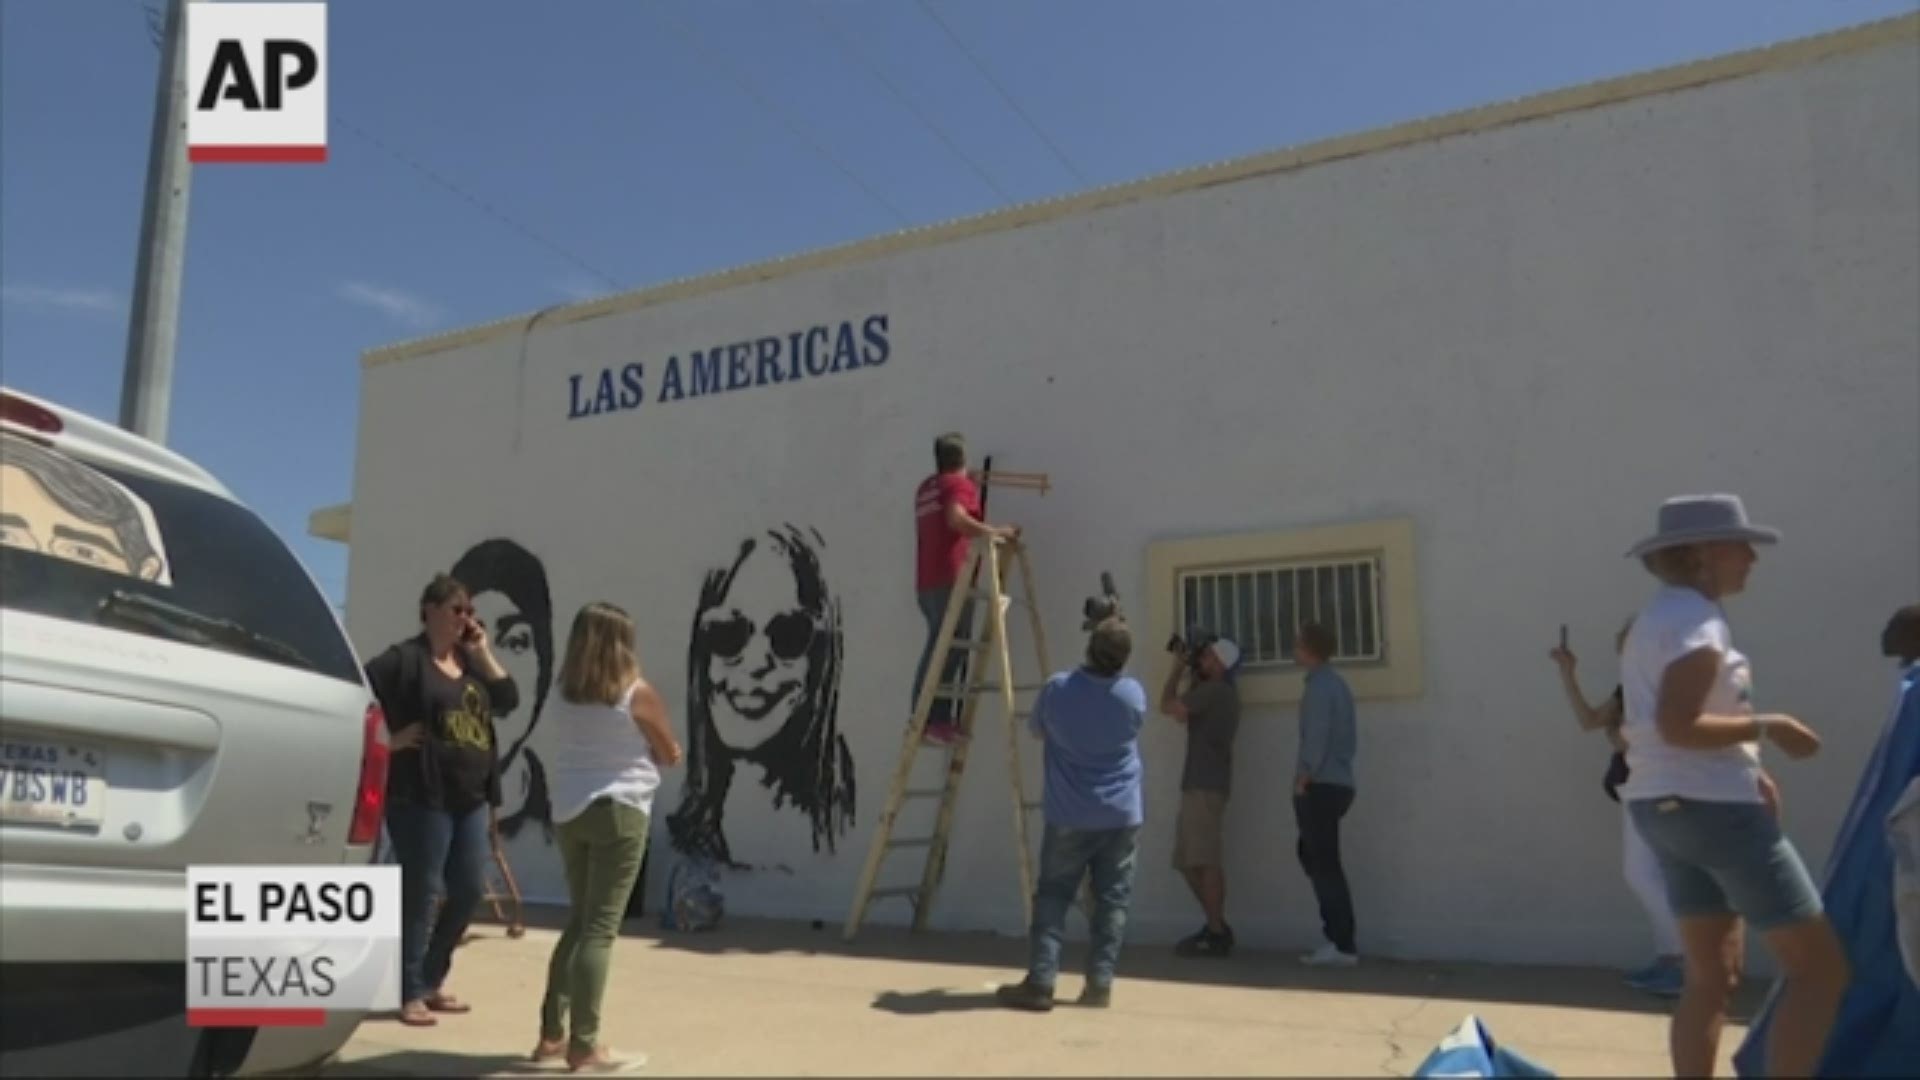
(775, 998)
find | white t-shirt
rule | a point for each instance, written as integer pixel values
(598, 750)
(1674, 623)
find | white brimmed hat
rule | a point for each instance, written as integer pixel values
(1701, 519)
(1226, 652)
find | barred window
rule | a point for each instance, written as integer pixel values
(1262, 606)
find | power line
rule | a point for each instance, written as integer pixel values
(981, 67)
(478, 203)
(688, 35)
(854, 54)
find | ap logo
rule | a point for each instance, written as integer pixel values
(257, 82)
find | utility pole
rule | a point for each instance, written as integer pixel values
(146, 390)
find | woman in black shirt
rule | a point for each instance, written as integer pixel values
(440, 691)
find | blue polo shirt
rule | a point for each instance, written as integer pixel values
(1092, 730)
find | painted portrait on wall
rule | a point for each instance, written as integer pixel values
(60, 507)
(509, 589)
(763, 695)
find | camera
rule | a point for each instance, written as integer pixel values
(1103, 607)
(1193, 646)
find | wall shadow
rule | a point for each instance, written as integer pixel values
(440, 1063)
(1569, 987)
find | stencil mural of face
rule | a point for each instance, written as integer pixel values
(763, 674)
(759, 653)
(509, 590)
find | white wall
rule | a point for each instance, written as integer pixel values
(1522, 338)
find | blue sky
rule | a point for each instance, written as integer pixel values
(489, 158)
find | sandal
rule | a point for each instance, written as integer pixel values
(604, 1062)
(549, 1050)
(417, 1014)
(445, 1003)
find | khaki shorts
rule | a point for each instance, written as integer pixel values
(1197, 835)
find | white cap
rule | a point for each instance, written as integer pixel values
(1226, 652)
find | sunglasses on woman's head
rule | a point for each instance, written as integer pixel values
(788, 634)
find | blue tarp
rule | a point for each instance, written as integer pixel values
(1469, 1050)
(1878, 1029)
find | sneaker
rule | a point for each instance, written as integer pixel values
(1204, 942)
(1096, 996)
(940, 734)
(1663, 978)
(1026, 995)
(1329, 956)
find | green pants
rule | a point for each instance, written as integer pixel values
(602, 849)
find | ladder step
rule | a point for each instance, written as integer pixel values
(924, 793)
(951, 691)
(986, 594)
(912, 841)
(911, 892)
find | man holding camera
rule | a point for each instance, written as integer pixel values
(1323, 791)
(1210, 709)
(1090, 719)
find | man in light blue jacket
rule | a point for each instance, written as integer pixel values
(1090, 719)
(1323, 789)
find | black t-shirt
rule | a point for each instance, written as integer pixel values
(457, 767)
(461, 738)
(1213, 717)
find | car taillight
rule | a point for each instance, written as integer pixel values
(370, 802)
(28, 415)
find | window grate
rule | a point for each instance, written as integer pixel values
(1261, 606)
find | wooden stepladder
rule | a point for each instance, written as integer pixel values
(516, 924)
(986, 580)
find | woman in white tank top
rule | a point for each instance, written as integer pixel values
(1702, 802)
(611, 735)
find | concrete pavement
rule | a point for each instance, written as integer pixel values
(767, 998)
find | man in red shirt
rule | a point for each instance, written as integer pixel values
(947, 518)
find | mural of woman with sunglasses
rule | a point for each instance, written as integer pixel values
(763, 689)
(511, 600)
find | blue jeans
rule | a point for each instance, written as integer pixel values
(1067, 856)
(933, 606)
(441, 855)
(1726, 858)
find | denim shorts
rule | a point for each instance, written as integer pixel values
(1726, 858)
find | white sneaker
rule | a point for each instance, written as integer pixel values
(1328, 956)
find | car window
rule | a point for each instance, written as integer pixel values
(105, 546)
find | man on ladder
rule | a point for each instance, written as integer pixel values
(947, 514)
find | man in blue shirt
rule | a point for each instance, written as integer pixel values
(1090, 719)
(1323, 791)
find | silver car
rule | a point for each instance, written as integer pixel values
(174, 690)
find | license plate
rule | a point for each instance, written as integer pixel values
(52, 782)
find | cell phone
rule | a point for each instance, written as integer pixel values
(1563, 636)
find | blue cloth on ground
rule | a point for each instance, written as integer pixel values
(695, 900)
(1469, 1050)
(1878, 1030)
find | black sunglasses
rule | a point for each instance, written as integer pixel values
(789, 634)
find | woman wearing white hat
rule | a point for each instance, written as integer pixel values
(1703, 804)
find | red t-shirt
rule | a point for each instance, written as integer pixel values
(943, 552)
